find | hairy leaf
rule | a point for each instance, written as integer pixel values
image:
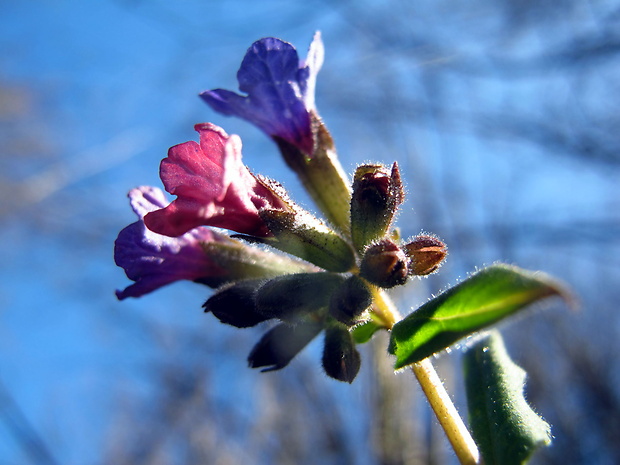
(504, 426)
(481, 300)
(365, 331)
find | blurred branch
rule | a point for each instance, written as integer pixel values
(24, 433)
(588, 143)
(543, 233)
(83, 165)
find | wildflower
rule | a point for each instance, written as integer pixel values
(280, 101)
(279, 88)
(153, 260)
(213, 188)
(201, 255)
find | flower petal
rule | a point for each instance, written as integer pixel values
(313, 63)
(153, 260)
(280, 91)
(146, 199)
(213, 187)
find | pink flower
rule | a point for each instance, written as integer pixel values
(154, 261)
(213, 188)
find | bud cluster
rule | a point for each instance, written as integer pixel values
(338, 294)
(386, 264)
(377, 194)
(305, 303)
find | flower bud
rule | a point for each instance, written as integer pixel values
(236, 304)
(280, 344)
(350, 300)
(426, 253)
(377, 194)
(384, 264)
(291, 297)
(341, 360)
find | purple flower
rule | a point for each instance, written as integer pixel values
(153, 260)
(213, 188)
(279, 88)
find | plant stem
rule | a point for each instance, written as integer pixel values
(463, 444)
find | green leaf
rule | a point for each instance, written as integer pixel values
(504, 426)
(481, 300)
(363, 333)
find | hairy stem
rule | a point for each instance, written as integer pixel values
(461, 440)
(463, 444)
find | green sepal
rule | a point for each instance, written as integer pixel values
(481, 300)
(301, 234)
(292, 297)
(239, 260)
(321, 174)
(504, 426)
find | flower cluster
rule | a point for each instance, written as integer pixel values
(314, 276)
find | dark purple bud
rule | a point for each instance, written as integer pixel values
(350, 300)
(384, 264)
(377, 194)
(294, 296)
(341, 360)
(280, 344)
(235, 305)
(426, 254)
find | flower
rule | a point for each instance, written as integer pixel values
(213, 188)
(279, 88)
(153, 260)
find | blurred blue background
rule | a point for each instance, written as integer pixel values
(504, 119)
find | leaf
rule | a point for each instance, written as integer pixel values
(363, 333)
(504, 426)
(481, 300)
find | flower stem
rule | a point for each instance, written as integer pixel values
(463, 444)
